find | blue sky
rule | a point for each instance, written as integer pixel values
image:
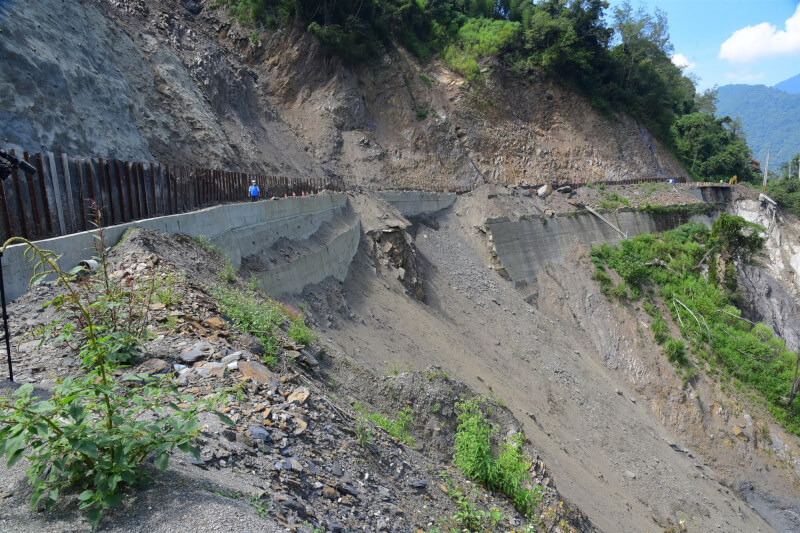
(732, 41)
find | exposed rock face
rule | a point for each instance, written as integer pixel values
(771, 289)
(766, 300)
(183, 83)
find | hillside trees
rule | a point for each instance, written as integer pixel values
(786, 189)
(712, 148)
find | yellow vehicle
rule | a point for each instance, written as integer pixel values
(734, 180)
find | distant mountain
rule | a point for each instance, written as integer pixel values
(791, 86)
(770, 118)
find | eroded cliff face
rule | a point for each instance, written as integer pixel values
(771, 287)
(181, 82)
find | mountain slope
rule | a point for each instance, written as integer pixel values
(769, 117)
(791, 86)
(191, 87)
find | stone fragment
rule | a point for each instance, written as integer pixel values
(259, 433)
(152, 367)
(299, 395)
(196, 352)
(347, 489)
(252, 344)
(395, 223)
(206, 370)
(157, 306)
(308, 359)
(28, 347)
(566, 189)
(740, 434)
(302, 425)
(235, 356)
(214, 322)
(417, 484)
(255, 371)
(544, 191)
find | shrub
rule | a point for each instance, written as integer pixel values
(299, 332)
(228, 273)
(507, 472)
(660, 330)
(396, 428)
(676, 351)
(206, 244)
(263, 318)
(169, 292)
(620, 291)
(422, 111)
(94, 431)
(254, 316)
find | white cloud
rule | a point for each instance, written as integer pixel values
(752, 43)
(682, 62)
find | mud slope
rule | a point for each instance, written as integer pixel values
(609, 453)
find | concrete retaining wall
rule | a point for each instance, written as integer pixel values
(236, 227)
(333, 259)
(413, 203)
(525, 246)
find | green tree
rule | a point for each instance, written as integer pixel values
(712, 148)
(736, 238)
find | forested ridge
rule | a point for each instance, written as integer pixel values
(618, 58)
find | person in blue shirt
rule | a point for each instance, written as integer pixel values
(253, 191)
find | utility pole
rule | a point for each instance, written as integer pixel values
(766, 173)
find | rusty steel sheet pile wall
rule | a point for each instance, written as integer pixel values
(58, 199)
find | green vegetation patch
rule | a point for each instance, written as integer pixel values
(505, 471)
(262, 317)
(671, 266)
(612, 201)
(397, 428)
(478, 39)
